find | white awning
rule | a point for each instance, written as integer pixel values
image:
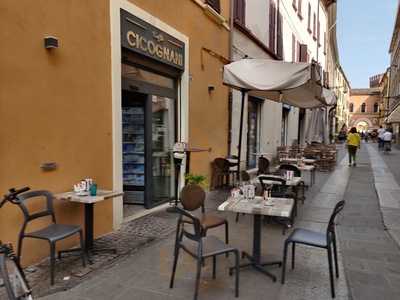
(296, 84)
(394, 116)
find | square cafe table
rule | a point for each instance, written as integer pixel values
(258, 207)
(89, 202)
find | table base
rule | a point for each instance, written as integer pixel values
(258, 266)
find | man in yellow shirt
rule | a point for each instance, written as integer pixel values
(353, 143)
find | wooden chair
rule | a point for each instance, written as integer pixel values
(222, 172)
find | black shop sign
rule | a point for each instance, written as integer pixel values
(146, 39)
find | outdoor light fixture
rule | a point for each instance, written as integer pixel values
(211, 88)
(50, 42)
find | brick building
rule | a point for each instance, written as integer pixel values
(364, 108)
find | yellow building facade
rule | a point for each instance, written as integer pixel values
(69, 105)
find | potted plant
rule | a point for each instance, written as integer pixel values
(200, 180)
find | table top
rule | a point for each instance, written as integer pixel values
(275, 207)
(293, 182)
(305, 160)
(101, 195)
(301, 168)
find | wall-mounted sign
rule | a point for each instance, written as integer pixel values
(142, 37)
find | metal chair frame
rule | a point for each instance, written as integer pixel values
(330, 236)
(200, 255)
(49, 211)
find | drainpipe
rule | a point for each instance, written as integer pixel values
(230, 97)
(317, 30)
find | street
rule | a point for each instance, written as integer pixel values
(369, 257)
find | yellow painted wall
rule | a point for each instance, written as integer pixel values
(54, 106)
(208, 113)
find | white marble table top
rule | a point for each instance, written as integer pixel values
(294, 160)
(101, 195)
(301, 168)
(275, 207)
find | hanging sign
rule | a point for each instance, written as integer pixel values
(146, 39)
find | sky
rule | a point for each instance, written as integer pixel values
(364, 31)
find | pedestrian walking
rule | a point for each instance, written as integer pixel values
(353, 143)
(387, 140)
(381, 132)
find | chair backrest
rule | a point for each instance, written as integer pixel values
(331, 225)
(244, 176)
(192, 197)
(197, 233)
(24, 198)
(289, 167)
(222, 164)
(277, 180)
(263, 165)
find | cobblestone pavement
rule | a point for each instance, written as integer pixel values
(145, 274)
(370, 255)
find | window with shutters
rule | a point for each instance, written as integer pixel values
(215, 4)
(319, 34)
(293, 48)
(239, 11)
(315, 27)
(279, 36)
(309, 18)
(299, 11)
(294, 4)
(303, 55)
(363, 107)
(272, 22)
(376, 107)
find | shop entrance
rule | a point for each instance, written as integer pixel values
(148, 129)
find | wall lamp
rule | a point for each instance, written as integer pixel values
(50, 42)
(211, 88)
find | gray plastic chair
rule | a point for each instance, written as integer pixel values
(316, 239)
(52, 233)
(200, 247)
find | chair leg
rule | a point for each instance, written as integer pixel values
(226, 236)
(176, 254)
(331, 271)
(83, 249)
(19, 249)
(198, 273)
(226, 232)
(214, 266)
(335, 256)
(285, 250)
(237, 267)
(293, 254)
(52, 262)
